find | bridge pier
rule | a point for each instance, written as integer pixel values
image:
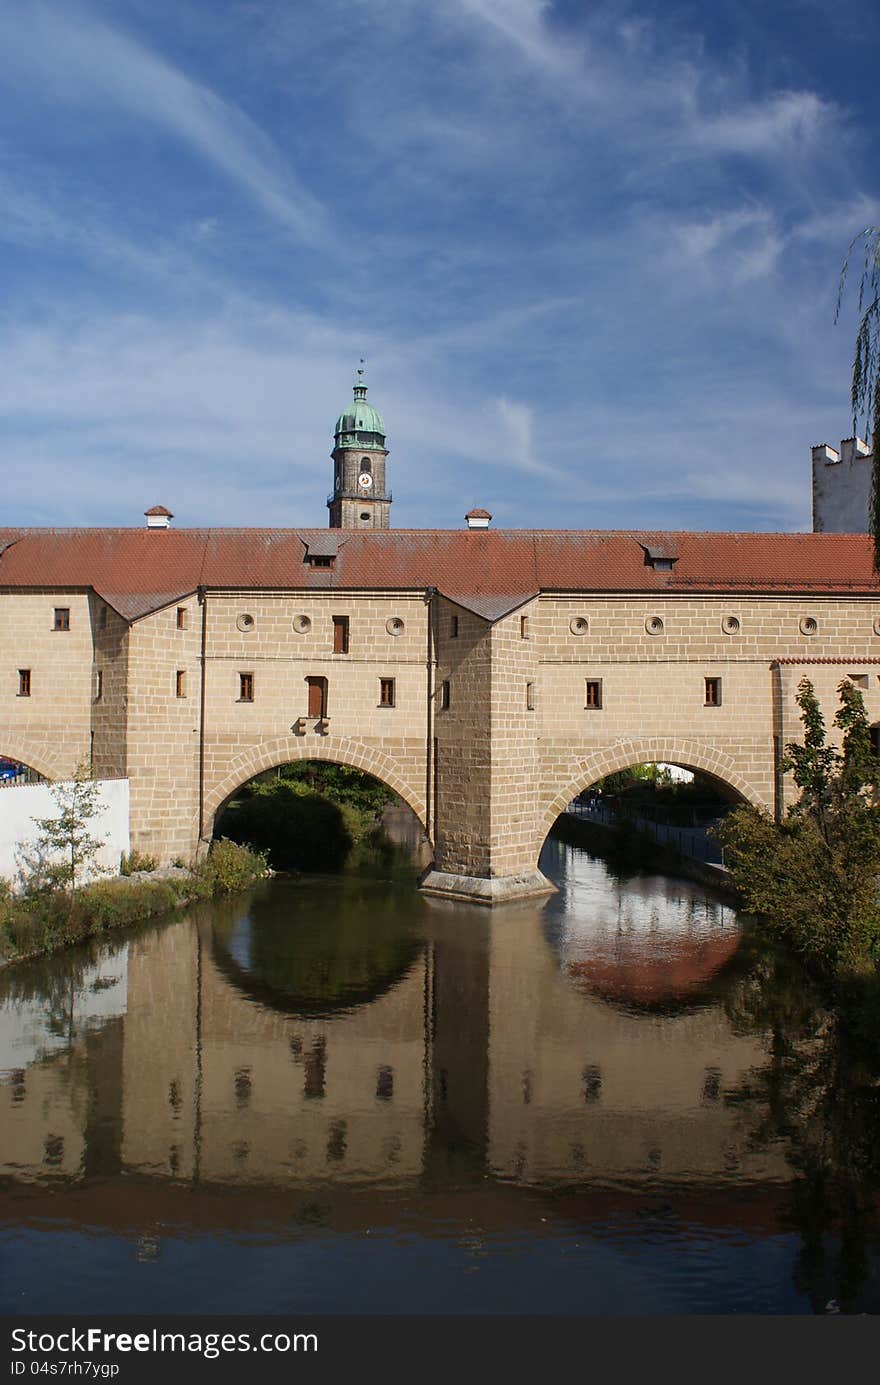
(491, 890)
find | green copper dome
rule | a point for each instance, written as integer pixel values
(360, 422)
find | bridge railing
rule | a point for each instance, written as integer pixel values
(689, 841)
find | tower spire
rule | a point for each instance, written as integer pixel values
(360, 389)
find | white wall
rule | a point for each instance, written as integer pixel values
(21, 804)
(842, 487)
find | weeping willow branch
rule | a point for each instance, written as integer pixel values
(865, 391)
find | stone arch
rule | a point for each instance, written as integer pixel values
(703, 759)
(287, 749)
(36, 755)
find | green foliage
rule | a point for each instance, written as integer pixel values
(64, 846)
(136, 860)
(44, 920)
(339, 783)
(865, 387)
(814, 876)
(307, 816)
(230, 867)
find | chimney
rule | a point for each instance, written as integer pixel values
(478, 519)
(158, 517)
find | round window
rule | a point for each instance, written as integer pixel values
(394, 625)
(877, 625)
(579, 625)
(654, 625)
(730, 625)
(302, 625)
(245, 622)
(808, 626)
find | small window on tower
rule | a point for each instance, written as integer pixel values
(99, 684)
(180, 683)
(245, 687)
(181, 617)
(366, 464)
(386, 692)
(62, 618)
(24, 682)
(444, 696)
(453, 628)
(713, 692)
(340, 634)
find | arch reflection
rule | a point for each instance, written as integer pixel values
(651, 942)
(321, 951)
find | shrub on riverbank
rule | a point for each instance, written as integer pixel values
(814, 876)
(48, 919)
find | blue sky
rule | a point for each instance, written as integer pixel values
(589, 251)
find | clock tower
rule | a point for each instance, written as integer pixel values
(359, 499)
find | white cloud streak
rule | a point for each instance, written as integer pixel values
(78, 60)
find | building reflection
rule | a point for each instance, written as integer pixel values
(486, 1053)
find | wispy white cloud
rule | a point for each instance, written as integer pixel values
(82, 61)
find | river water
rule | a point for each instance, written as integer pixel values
(334, 1095)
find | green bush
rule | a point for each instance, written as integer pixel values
(136, 860)
(49, 919)
(813, 877)
(230, 867)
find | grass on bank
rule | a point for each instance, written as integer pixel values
(45, 919)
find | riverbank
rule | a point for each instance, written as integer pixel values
(621, 841)
(34, 925)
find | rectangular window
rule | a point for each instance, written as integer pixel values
(713, 692)
(319, 560)
(62, 618)
(594, 694)
(386, 692)
(524, 627)
(181, 617)
(444, 696)
(180, 685)
(24, 682)
(245, 687)
(317, 696)
(340, 634)
(530, 697)
(99, 684)
(102, 618)
(860, 679)
(453, 628)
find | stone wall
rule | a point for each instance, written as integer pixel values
(244, 738)
(49, 730)
(164, 731)
(488, 774)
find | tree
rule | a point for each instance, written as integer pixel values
(65, 847)
(814, 876)
(865, 389)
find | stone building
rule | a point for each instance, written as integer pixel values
(486, 675)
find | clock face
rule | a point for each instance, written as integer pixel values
(365, 480)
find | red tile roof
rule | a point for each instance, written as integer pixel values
(138, 570)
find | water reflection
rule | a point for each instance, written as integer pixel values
(327, 947)
(344, 1041)
(648, 940)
